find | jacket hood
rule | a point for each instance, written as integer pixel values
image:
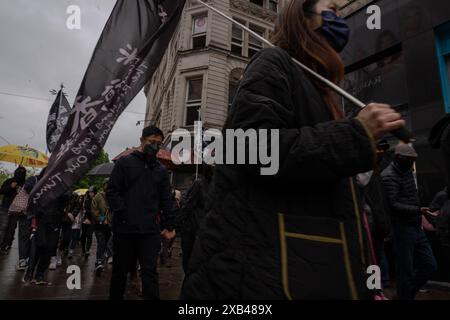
(436, 132)
(20, 174)
(141, 156)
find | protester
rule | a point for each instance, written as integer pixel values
(47, 226)
(8, 223)
(195, 204)
(76, 227)
(87, 227)
(376, 207)
(19, 209)
(375, 202)
(102, 222)
(140, 188)
(414, 258)
(71, 210)
(269, 237)
(167, 245)
(441, 204)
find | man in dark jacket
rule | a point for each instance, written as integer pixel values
(375, 203)
(8, 224)
(414, 257)
(138, 189)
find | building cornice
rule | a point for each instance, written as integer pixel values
(244, 6)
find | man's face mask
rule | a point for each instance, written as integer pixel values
(150, 150)
(335, 30)
(405, 163)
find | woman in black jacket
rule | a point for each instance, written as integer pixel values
(296, 234)
(87, 227)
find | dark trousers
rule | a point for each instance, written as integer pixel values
(414, 258)
(10, 230)
(66, 236)
(87, 230)
(187, 246)
(24, 236)
(128, 249)
(24, 233)
(75, 238)
(166, 250)
(43, 245)
(3, 221)
(102, 234)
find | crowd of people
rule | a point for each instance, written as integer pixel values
(135, 213)
(308, 232)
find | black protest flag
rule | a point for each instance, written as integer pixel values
(57, 119)
(129, 50)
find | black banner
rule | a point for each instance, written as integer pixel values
(129, 50)
(57, 120)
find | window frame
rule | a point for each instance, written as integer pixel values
(196, 103)
(200, 34)
(443, 51)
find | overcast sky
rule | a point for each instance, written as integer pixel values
(37, 53)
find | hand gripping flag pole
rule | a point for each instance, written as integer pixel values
(402, 134)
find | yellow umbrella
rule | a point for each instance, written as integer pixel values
(81, 192)
(25, 156)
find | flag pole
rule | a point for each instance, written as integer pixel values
(403, 134)
(196, 143)
(60, 98)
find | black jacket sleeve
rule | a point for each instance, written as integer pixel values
(325, 152)
(168, 203)
(392, 188)
(30, 183)
(6, 187)
(116, 189)
(439, 200)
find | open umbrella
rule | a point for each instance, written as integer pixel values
(25, 156)
(102, 170)
(81, 192)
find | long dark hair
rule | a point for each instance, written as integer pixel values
(293, 33)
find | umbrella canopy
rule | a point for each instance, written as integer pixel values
(102, 170)
(25, 156)
(81, 192)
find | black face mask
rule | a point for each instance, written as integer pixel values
(405, 164)
(150, 151)
(334, 29)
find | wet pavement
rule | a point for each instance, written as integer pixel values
(92, 287)
(96, 288)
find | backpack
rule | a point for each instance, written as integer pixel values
(20, 202)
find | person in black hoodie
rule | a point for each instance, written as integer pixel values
(195, 204)
(414, 257)
(87, 227)
(45, 237)
(138, 189)
(8, 223)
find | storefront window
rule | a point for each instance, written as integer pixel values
(443, 50)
